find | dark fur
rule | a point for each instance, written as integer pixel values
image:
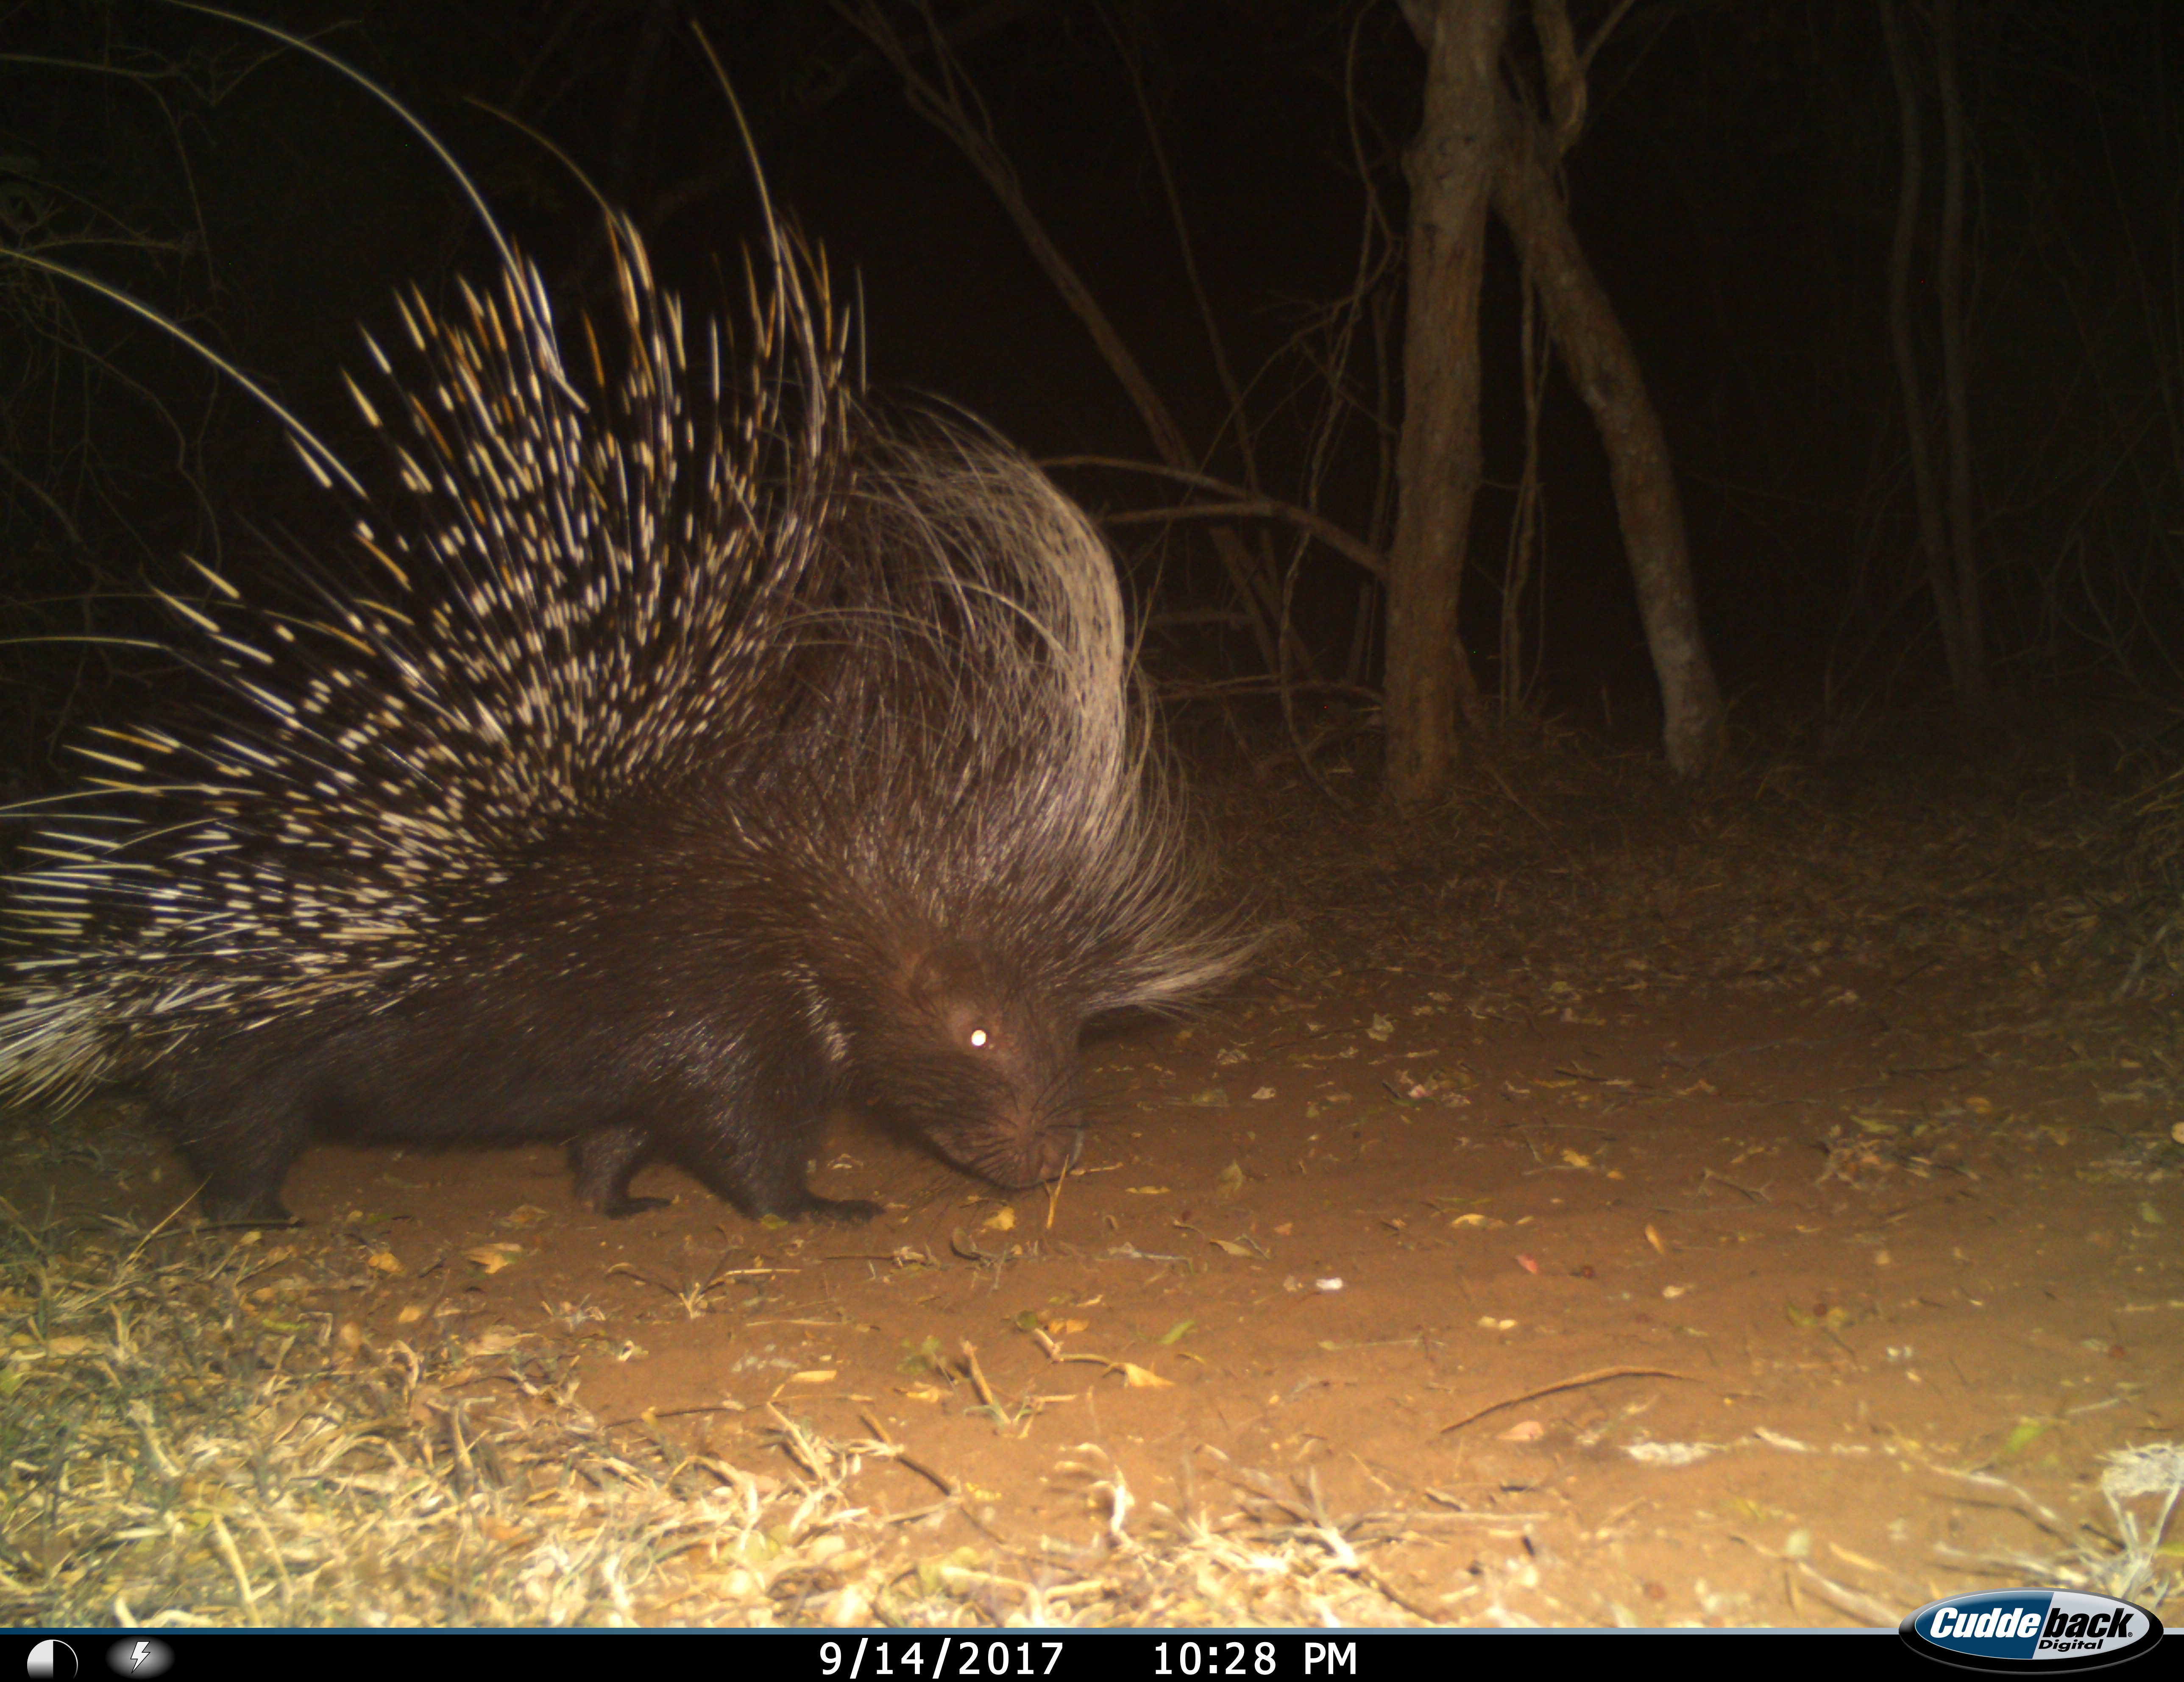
(686, 1000)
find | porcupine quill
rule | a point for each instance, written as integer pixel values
(713, 754)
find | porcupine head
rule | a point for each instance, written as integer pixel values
(1005, 863)
(977, 1060)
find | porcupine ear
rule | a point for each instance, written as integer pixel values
(945, 981)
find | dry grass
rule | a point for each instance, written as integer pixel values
(182, 1447)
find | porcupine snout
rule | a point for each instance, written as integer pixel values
(1011, 1142)
(982, 1064)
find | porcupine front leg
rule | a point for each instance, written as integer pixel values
(606, 1160)
(767, 1176)
(751, 1146)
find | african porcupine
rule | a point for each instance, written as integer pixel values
(719, 755)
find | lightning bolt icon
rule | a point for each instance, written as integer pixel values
(136, 1657)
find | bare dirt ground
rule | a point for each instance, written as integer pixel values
(1600, 1208)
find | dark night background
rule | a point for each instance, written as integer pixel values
(1735, 189)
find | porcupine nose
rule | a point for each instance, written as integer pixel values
(1037, 1155)
(1053, 1152)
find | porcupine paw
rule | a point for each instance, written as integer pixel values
(620, 1208)
(261, 1210)
(833, 1211)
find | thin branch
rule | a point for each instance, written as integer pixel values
(1241, 504)
(947, 98)
(1215, 343)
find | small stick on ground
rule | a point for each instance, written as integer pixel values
(1601, 1377)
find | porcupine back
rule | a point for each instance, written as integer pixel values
(715, 755)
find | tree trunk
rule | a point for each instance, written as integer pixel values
(1926, 489)
(1949, 287)
(1604, 369)
(1450, 167)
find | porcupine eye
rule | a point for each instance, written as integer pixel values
(978, 1039)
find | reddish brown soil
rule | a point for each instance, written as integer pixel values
(1766, 1225)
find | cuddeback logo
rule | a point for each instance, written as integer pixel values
(2032, 1629)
